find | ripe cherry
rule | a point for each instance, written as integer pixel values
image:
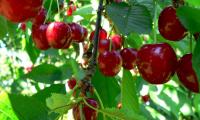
(110, 63)
(129, 56)
(88, 113)
(104, 45)
(20, 10)
(102, 34)
(169, 25)
(71, 82)
(71, 9)
(145, 98)
(23, 26)
(58, 34)
(79, 33)
(117, 42)
(40, 18)
(156, 62)
(39, 36)
(186, 73)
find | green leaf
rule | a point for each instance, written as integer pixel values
(196, 60)
(134, 40)
(130, 18)
(107, 87)
(189, 17)
(193, 2)
(129, 93)
(28, 108)
(59, 103)
(45, 73)
(3, 26)
(84, 11)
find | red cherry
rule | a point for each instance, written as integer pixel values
(71, 83)
(39, 36)
(186, 73)
(117, 42)
(104, 45)
(169, 25)
(110, 63)
(129, 56)
(20, 10)
(102, 35)
(145, 98)
(156, 62)
(69, 11)
(79, 33)
(58, 33)
(40, 18)
(88, 112)
(23, 26)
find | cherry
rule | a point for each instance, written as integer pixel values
(20, 10)
(102, 35)
(40, 18)
(186, 73)
(156, 62)
(110, 63)
(71, 9)
(58, 34)
(39, 36)
(88, 112)
(103, 45)
(79, 33)
(129, 56)
(145, 98)
(23, 26)
(169, 25)
(117, 42)
(71, 82)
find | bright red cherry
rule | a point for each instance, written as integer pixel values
(169, 25)
(104, 45)
(156, 62)
(39, 36)
(88, 113)
(145, 98)
(110, 63)
(20, 10)
(23, 26)
(58, 33)
(40, 18)
(71, 83)
(129, 56)
(102, 35)
(117, 42)
(186, 73)
(79, 33)
(71, 9)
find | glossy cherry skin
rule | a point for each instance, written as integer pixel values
(102, 35)
(20, 10)
(71, 83)
(104, 45)
(40, 18)
(58, 33)
(39, 36)
(129, 56)
(169, 25)
(79, 33)
(88, 112)
(156, 62)
(186, 73)
(110, 63)
(117, 42)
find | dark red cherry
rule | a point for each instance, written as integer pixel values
(88, 113)
(40, 18)
(186, 73)
(58, 33)
(156, 62)
(129, 56)
(79, 33)
(71, 82)
(20, 10)
(39, 36)
(110, 63)
(23, 26)
(104, 45)
(169, 25)
(102, 35)
(117, 42)
(145, 98)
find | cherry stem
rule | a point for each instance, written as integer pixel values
(155, 21)
(191, 48)
(48, 11)
(100, 101)
(58, 6)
